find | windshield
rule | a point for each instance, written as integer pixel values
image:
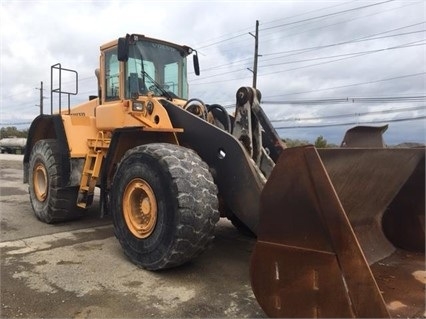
(158, 68)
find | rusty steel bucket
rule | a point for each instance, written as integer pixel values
(328, 219)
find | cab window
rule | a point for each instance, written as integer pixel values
(112, 72)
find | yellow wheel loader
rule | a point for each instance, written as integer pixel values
(326, 220)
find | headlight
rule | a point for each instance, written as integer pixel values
(138, 106)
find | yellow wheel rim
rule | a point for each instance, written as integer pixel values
(140, 208)
(40, 182)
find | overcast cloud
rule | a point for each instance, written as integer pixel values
(310, 51)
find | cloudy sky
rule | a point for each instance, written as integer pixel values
(323, 66)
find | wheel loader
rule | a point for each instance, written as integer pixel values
(168, 167)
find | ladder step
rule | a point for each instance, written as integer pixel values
(90, 174)
(98, 144)
(85, 200)
(82, 205)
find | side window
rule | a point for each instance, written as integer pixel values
(112, 72)
(171, 76)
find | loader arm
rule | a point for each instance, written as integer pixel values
(239, 175)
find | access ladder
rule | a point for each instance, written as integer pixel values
(92, 169)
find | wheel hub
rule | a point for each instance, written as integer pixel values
(40, 182)
(140, 208)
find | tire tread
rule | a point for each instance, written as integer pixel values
(196, 199)
(61, 201)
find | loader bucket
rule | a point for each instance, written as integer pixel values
(325, 217)
(364, 136)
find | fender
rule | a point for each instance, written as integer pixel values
(48, 127)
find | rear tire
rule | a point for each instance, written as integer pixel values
(50, 202)
(164, 205)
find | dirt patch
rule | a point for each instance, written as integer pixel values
(401, 278)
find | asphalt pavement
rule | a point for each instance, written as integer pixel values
(78, 270)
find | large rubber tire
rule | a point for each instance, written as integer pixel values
(51, 203)
(164, 205)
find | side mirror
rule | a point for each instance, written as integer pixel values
(123, 49)
(196, 64)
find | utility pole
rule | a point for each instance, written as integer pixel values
(256, 53)
(41, 97)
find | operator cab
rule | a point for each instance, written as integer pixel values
(150, 65)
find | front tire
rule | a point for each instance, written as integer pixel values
(50, 202)
(164, 205)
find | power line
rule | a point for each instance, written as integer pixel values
(327, 15)
(243, 32)
(221, 41)
(318, 17)
(265, 36)
(356, 40)
(377, 99)
(344, 57)
(316, 118)
(274, 33)
(308, 12)
(221, 66)
(387, 99)
(332, 61)
(381, 12)
(354, 84)
(351, 55)
(334, 116)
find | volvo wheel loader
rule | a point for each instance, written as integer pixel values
(168, 167)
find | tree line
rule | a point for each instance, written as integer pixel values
(12, 131)
(320, 142)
